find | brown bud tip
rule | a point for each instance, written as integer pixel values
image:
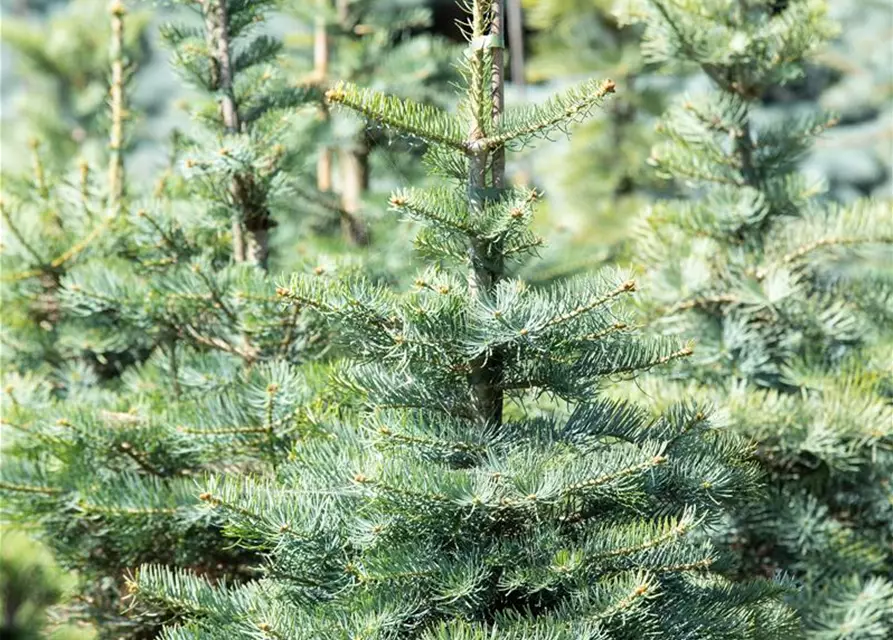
(360, 478)
(272, 388)
(281, 292)
(116, 8)
(319, 271)
(335, 94)
(444, 289)
(397, 201)
(658, 459)
(609, 86)
(141, 213)
(641, 590)
(283, 528)
(523, 332)
(204, 496)
(263, 626)
(687, 351)
(629, 285)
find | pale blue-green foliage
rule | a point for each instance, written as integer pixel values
(372, 533)
(562, 339)
(249, 172)
(413, 513)
(788, 298)
(748, 42)
(119, 472)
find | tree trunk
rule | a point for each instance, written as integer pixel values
(320, 76)
(354, 165)
(251, 221)
(485, 259)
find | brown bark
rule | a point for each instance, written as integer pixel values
(251, 221)
(354, 165)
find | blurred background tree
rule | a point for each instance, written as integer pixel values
(30, 584)
(788, 296)
(60, 79)
(600, 177)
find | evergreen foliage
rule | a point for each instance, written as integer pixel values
(789, 299)
(445, 501)
(121, 307)
(219, 452)
(244, 173)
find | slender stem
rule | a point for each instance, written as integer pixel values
(251, 221)
(497, 88)
(40, 181)
(517, 58)
(486, 98)
(38, 259)
(84, 173)
(118, 110)
(516, 44)
(269, 425)
(127, 449)
(175, 368)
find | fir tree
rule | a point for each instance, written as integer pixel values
(453, 504)
(53, 217)
(132, 314)
(234, 65)
(789, 299)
